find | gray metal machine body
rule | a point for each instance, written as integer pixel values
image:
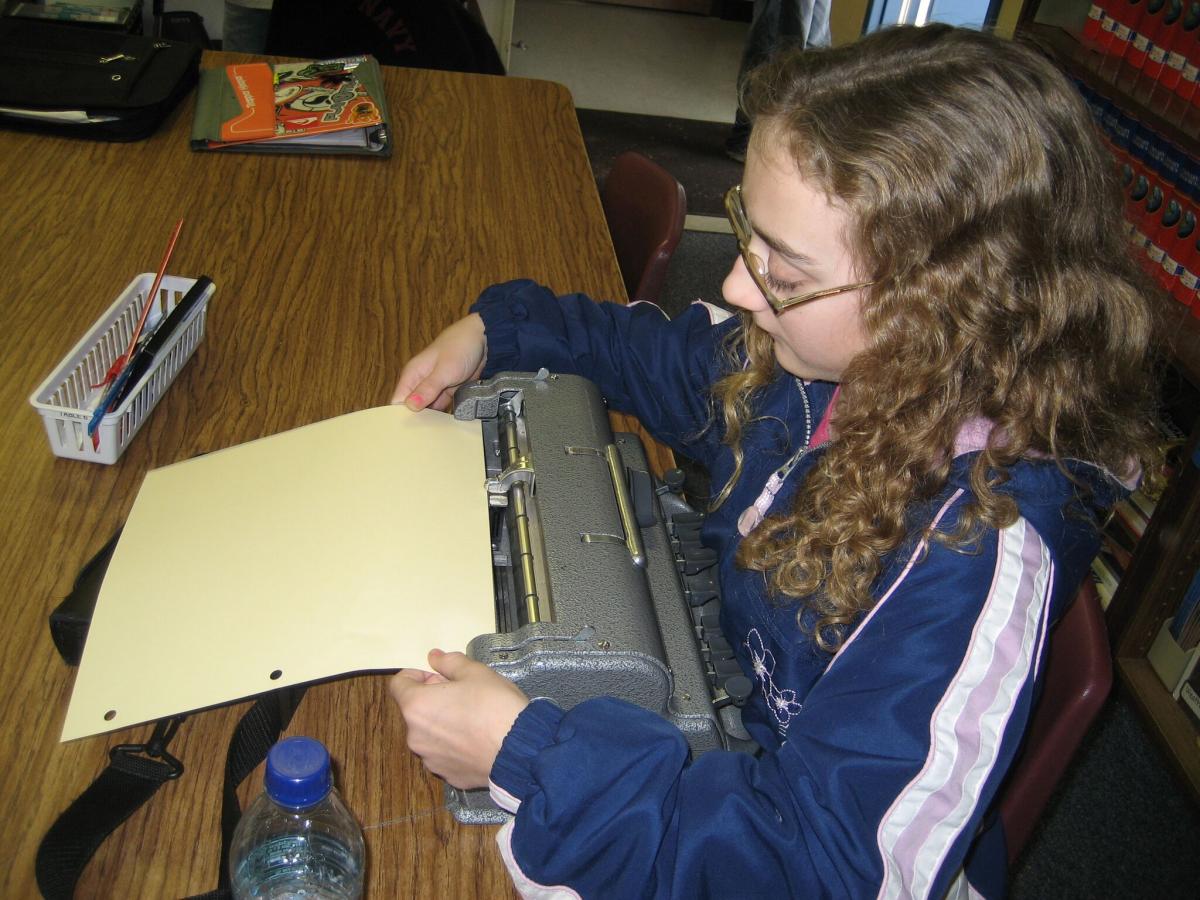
(591, 587)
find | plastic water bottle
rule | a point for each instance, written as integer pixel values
(297, 839)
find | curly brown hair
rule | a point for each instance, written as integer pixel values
(988, 213)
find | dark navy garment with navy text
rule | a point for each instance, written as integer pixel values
(880, 761)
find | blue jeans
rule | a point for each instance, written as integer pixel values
(778, 24)
(245, 29)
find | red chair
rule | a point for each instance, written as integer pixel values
(1077, 680)
(645, 207)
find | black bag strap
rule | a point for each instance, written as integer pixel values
(135, 772)
(254, 735)
(129, 781)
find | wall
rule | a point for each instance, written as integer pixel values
(498, 19)
(846, 20)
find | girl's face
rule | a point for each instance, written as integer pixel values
(802, 238)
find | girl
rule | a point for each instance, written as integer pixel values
(938, 379)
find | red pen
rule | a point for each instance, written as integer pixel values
(119, 363)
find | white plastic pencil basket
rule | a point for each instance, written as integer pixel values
(67, 399)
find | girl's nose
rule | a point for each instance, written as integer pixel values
(739, 288)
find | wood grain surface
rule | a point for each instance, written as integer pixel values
(330, 272)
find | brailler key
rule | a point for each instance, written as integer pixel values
(701, 589)
(726, 667)
(698, 562)
(720, 646)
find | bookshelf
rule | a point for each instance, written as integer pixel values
(1166, 556)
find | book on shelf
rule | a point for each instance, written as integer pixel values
(1173, 664)
(327, 106)
(1106, 577)
(1127, 519)
(1124, 528)
(118, 15)
(1143, 502)
(1119, 556)
(1185, 624)
(1189, 695)
(1119, 543)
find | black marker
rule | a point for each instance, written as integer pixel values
(144, 357)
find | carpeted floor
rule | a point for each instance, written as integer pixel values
(1120, 825)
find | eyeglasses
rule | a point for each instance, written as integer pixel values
(758, 267)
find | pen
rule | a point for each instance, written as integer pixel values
(121, 361)
(141, 361)
(144, 357)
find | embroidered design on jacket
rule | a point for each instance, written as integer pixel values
(781, 701)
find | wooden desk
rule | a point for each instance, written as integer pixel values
(330, 272)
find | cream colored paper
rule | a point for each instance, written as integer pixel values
(352, 544)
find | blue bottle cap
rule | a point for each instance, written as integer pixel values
(298, 772)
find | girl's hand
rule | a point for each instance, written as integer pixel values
(455, 357)
(457, 716)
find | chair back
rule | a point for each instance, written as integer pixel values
(645, 207)
(1077, 680)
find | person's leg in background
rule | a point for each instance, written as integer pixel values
(245, 28)
(776, 24)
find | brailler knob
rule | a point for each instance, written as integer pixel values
(674, 479)
(739, 688)
(726, 667)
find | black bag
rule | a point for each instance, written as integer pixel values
(70, 620)
(90, 83)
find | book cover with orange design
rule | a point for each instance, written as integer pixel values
(328, 106)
